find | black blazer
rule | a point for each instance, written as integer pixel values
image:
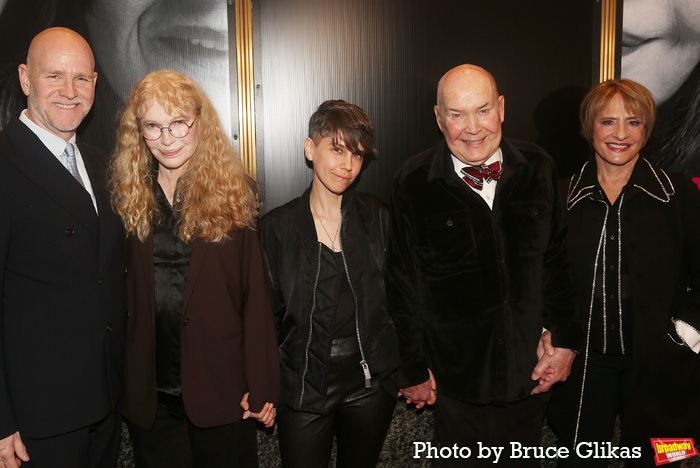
(63, 291)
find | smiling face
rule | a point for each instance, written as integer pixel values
(335, 167)
(470, 113)
(660, 43)
(59, 81)
(173, 154)
(134, 37)
(618, 136)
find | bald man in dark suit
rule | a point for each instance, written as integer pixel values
(61, 272)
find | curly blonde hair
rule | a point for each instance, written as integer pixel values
(217, 195)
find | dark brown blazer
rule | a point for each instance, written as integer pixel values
(229, 346)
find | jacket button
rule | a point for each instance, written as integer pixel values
(449, 223)
(70, 232)
(101, 282)
(187, 321)
(612, 236)
(109, 328)
(501, 342)
(535, 211)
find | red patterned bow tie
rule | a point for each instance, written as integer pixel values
(476, 175)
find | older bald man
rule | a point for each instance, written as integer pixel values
(61, 271)
(476, 270)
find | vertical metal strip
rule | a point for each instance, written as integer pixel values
(246, 90)
(607, 39)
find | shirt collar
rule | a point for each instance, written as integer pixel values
(645, 178)
(458, 165)
(54, 143)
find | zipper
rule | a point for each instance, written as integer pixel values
(311, 319)
(363, 362)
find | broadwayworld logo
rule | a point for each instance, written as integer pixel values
(670, 450)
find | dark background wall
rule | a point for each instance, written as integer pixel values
(388, 55)
(384, 55)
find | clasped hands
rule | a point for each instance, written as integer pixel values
(266, 415)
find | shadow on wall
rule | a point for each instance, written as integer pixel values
(559, 130)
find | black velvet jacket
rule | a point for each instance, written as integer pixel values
(660, 235)
(471, 288)
(291, 253)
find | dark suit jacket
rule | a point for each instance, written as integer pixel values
(470, 288)
(63, 291)
(229, 345)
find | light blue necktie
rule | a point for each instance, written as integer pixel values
(69, 154)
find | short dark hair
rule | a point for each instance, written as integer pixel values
(636, 98)
(339, 119)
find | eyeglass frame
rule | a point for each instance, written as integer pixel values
(189, 127)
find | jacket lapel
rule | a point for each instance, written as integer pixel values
(108, 221)
(144, 253)
(33, 159)
(199, 253)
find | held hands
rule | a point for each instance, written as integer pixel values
(266, 415)
(12, 451)
(421, 394)
(554, 364)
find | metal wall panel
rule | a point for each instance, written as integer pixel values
(388, 55)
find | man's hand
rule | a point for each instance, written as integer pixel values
(421, 394)
(554, 364)
(12, 451)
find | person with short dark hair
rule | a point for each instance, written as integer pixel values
(476, 269)
(324, 256)
(633, 242)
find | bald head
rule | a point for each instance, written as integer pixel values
(63, 39)
(58, 80)
(462, 75)
(470, 112)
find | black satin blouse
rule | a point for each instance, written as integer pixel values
(171, 263)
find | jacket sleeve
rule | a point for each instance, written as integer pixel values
(686, 320)
(401, 283)
(261, 351)
(561, 313)
(8, 424)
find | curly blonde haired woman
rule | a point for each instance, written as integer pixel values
(201, 348)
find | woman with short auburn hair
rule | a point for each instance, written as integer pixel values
(634, 244)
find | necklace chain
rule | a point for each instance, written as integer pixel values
(333, 247)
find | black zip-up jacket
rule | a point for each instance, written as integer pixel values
(291, 255)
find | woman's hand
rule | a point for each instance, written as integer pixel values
(266, 416)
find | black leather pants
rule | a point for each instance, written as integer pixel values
(359, 418)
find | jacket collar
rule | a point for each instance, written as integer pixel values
(442, 167)
(305, 220)
(645, 178)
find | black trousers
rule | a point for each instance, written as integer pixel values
(358, 418)
(608, 387)
(174, 442)
(472, 426)
(94, 446)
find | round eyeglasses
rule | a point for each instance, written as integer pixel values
(152, 131)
